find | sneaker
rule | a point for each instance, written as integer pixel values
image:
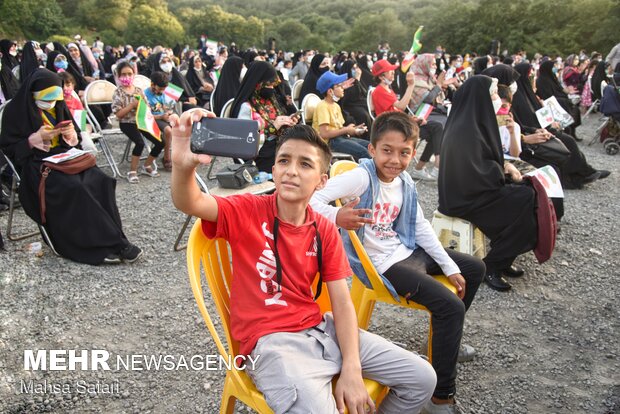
(432, 408)
(131, 253)
(466, 352)
(421, 175)
(112, 258)
(151, 170)
(132, 177)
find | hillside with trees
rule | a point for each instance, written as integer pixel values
(547, 26)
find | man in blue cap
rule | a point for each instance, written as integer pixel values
(329, 122)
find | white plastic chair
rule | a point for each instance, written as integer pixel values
(296, 91)
(370, 104)
(308, 105)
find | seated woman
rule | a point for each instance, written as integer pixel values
(353, 103)
(8, 82)
(318, 66)
(547, 85)
(83, 221)
(228, 85)
(472, 185)
(163, 63)
(199, 80)
(429, 88)
(384, 99)
(256, 100)
(575, 171)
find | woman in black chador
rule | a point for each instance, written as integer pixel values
(82, 217)
(472, 183)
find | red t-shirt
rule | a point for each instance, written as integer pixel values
(383, 100)
(246, 221)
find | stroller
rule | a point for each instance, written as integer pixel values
(610, 131)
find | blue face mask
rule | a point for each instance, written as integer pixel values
(353, 73)
(555, 70)
(61, 64)
(96, 55)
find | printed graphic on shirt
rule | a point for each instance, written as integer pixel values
(266, 267)
(312, 250)
(384, 216)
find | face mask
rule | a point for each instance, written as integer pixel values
(503, 111)
(242, 75)
(334, 97)
(513, 88)
(554, 70)
(386, 81)
(13, 52)
(45, 105)
(67, 93)
(266, 92)
(442, 66)
(497, 104)
(490, 65)
(96, 55)
(458, 65)
(126, 80)
(353, 73)
(166, 67)
(61, 64)
(40, 54)
(323, 70)
(369, 64)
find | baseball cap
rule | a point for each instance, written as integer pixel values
(382, 66)
(328, 80)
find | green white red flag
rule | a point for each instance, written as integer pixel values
(145, 120)
(416, 45)
(173, 91)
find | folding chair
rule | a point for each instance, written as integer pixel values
(100, 92)
(141, 82)
(603, 119)
(370, 104)
(211, 99)
(308, 105)
(296, 91)
(215, 256)
(224, 114)
(364, 298)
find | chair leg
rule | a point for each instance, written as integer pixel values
(429, 351)
(9, 230)
(210, 169)
(177, 244)
(227, 406)
(47, 240)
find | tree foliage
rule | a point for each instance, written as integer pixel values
(547, 26)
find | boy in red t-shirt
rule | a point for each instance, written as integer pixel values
(279, 243)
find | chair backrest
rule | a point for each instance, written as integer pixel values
(308, 106)
(2, 111)
(99, 92)
(227, 108)
(141, 82)
(297, 91)
(340, 167)
(212, 99)
(215, 256)
(370, 104)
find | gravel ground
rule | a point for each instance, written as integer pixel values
(548, 346)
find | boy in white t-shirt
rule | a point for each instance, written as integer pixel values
(402, 244)
(279, 243)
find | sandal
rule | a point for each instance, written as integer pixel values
(150, 170)
(132, 177)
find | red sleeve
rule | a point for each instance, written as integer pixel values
(383, 101)
(335, 263)
(232, 214)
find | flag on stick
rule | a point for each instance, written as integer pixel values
(416, 45)
(173, 91)
(145, 120)
(424, 110)
(79, 116)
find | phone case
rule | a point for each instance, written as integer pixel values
(235, 138)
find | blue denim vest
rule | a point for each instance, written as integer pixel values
(404, 225)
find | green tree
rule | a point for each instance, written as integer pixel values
(105, 14)
(150, 26)
(370, 29)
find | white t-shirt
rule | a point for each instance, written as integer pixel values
(505, 137)
(380, 239)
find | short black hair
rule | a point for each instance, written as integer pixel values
(160, 79)
(394, 121)
(308, 134)
(504, 92)
(67, 78)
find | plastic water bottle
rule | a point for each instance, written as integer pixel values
(261, 177)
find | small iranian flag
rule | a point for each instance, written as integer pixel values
(424, 110)
(79, 116)
(145, 121)
(173, 91)
(416, 45)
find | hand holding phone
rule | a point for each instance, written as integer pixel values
(62, 124)
(226, 137)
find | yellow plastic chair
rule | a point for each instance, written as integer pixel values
(364, 298)
(216, 258)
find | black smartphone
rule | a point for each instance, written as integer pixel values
(225, 137)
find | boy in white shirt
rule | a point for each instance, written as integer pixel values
(402, 244)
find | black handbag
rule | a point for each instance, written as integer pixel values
(552, 151)
(236, 176)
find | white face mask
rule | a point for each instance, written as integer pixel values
(442, 66)
(513, 88)
(334, 97)
(386, 81)
(497, 104)
(369, 64)
(166, 67)
(13, 52)
(242, 75)
(45, 105)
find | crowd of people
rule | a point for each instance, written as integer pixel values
(453, 102)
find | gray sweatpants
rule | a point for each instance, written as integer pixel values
(295, 370)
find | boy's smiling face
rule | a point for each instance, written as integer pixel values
(392, 154)
(298, 171)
